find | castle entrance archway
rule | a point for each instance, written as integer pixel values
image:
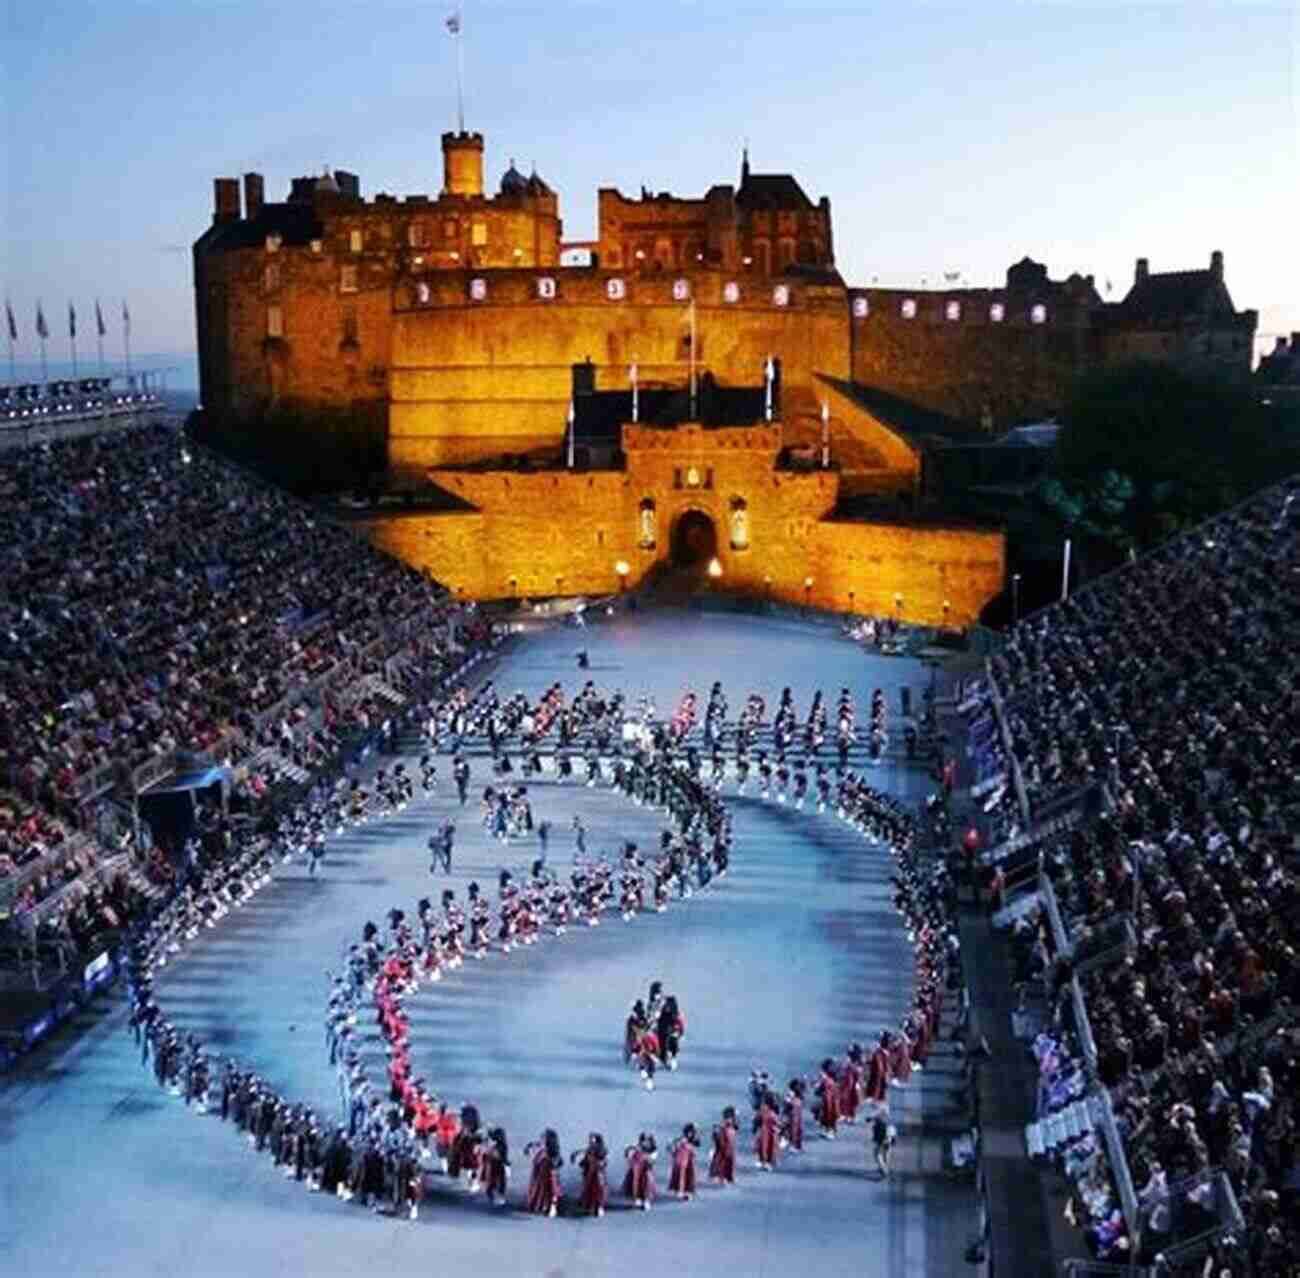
(694, 541)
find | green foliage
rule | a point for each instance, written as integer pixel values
(1146, 449)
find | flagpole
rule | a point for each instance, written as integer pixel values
(11, 334)
(460, 68)
(126, 337)
(72, 338)
(99, 335)
(693, 407)
(43, 332)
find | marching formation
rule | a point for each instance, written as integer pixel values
(395, 1135)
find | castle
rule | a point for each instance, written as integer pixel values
(469, 329)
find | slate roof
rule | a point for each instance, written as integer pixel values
(771, 191)
(1174, 295)
(295, 223)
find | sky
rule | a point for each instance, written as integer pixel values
(948, 137)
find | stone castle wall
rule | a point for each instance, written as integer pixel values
(561, 532)
(471, 379)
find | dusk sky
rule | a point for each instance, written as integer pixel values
(948, 138)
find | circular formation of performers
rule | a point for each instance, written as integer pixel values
(394, 1137)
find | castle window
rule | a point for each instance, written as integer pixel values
(781, 295)
(787, 252)
(997, 312)
(546, 288)
(449, 229)
(316, 247)
(271, 277)
(415, 235)
(422, 293)
(350, 327)
(355, 241)
(908, 308)
(677, 476)
(681, 290)
(731, 291)
(348, 279)
(478, 234)
(861, 308)
(952, 311)
(272, 243)
(1038, 313)
(274, 321)
(478, 290)
(615, 290)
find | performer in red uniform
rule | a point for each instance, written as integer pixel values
(593, 1163)
(767, 1127)
(792, 1118)
(682, 1180)
(722, 1166)
(467, 1149)
(877, 1080)
(851, 1084)
(639, 1182)
(496, 1166)
(828, 1100)
(544, 1189)
(647, 1057)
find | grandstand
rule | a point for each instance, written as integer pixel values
(167, 621)
(1144, 742)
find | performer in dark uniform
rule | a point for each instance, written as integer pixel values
(792, 1117)
(496, 1166)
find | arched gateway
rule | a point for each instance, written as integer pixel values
(694, 541)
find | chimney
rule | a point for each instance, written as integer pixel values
(1216, 264)
(225, 193)
(1295, 343)
(254, 189)
(1143, 270)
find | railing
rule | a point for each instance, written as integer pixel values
(1012, 762)
(1119, 1168)
(1047, 895)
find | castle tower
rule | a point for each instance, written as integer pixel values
(462, 164)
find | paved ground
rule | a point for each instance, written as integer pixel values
(795, 954)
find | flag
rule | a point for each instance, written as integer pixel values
(72, 321)
(126, 320)
(99, 320)
(13, 323)
(42, 328)
(453, 23)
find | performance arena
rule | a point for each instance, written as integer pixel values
(929, 954)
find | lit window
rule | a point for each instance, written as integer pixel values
(681, 290)
(415, 235)
(316, 247)
(422, 293)
(861, 308)
(272, 243)
(478, 234)
(952, 311)
(997, 312)
(546, 288)
(781, 295)
(478, 289)
(354, 241)
(1038, 313)
(731, 292)
(348, 279)
(449, 229)
(615, 290)
(909, 308)
(271, 277)
(274, 321)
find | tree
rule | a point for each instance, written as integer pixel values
(1147, 448)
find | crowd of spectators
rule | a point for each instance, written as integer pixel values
(1174, 686)
(155, 600)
